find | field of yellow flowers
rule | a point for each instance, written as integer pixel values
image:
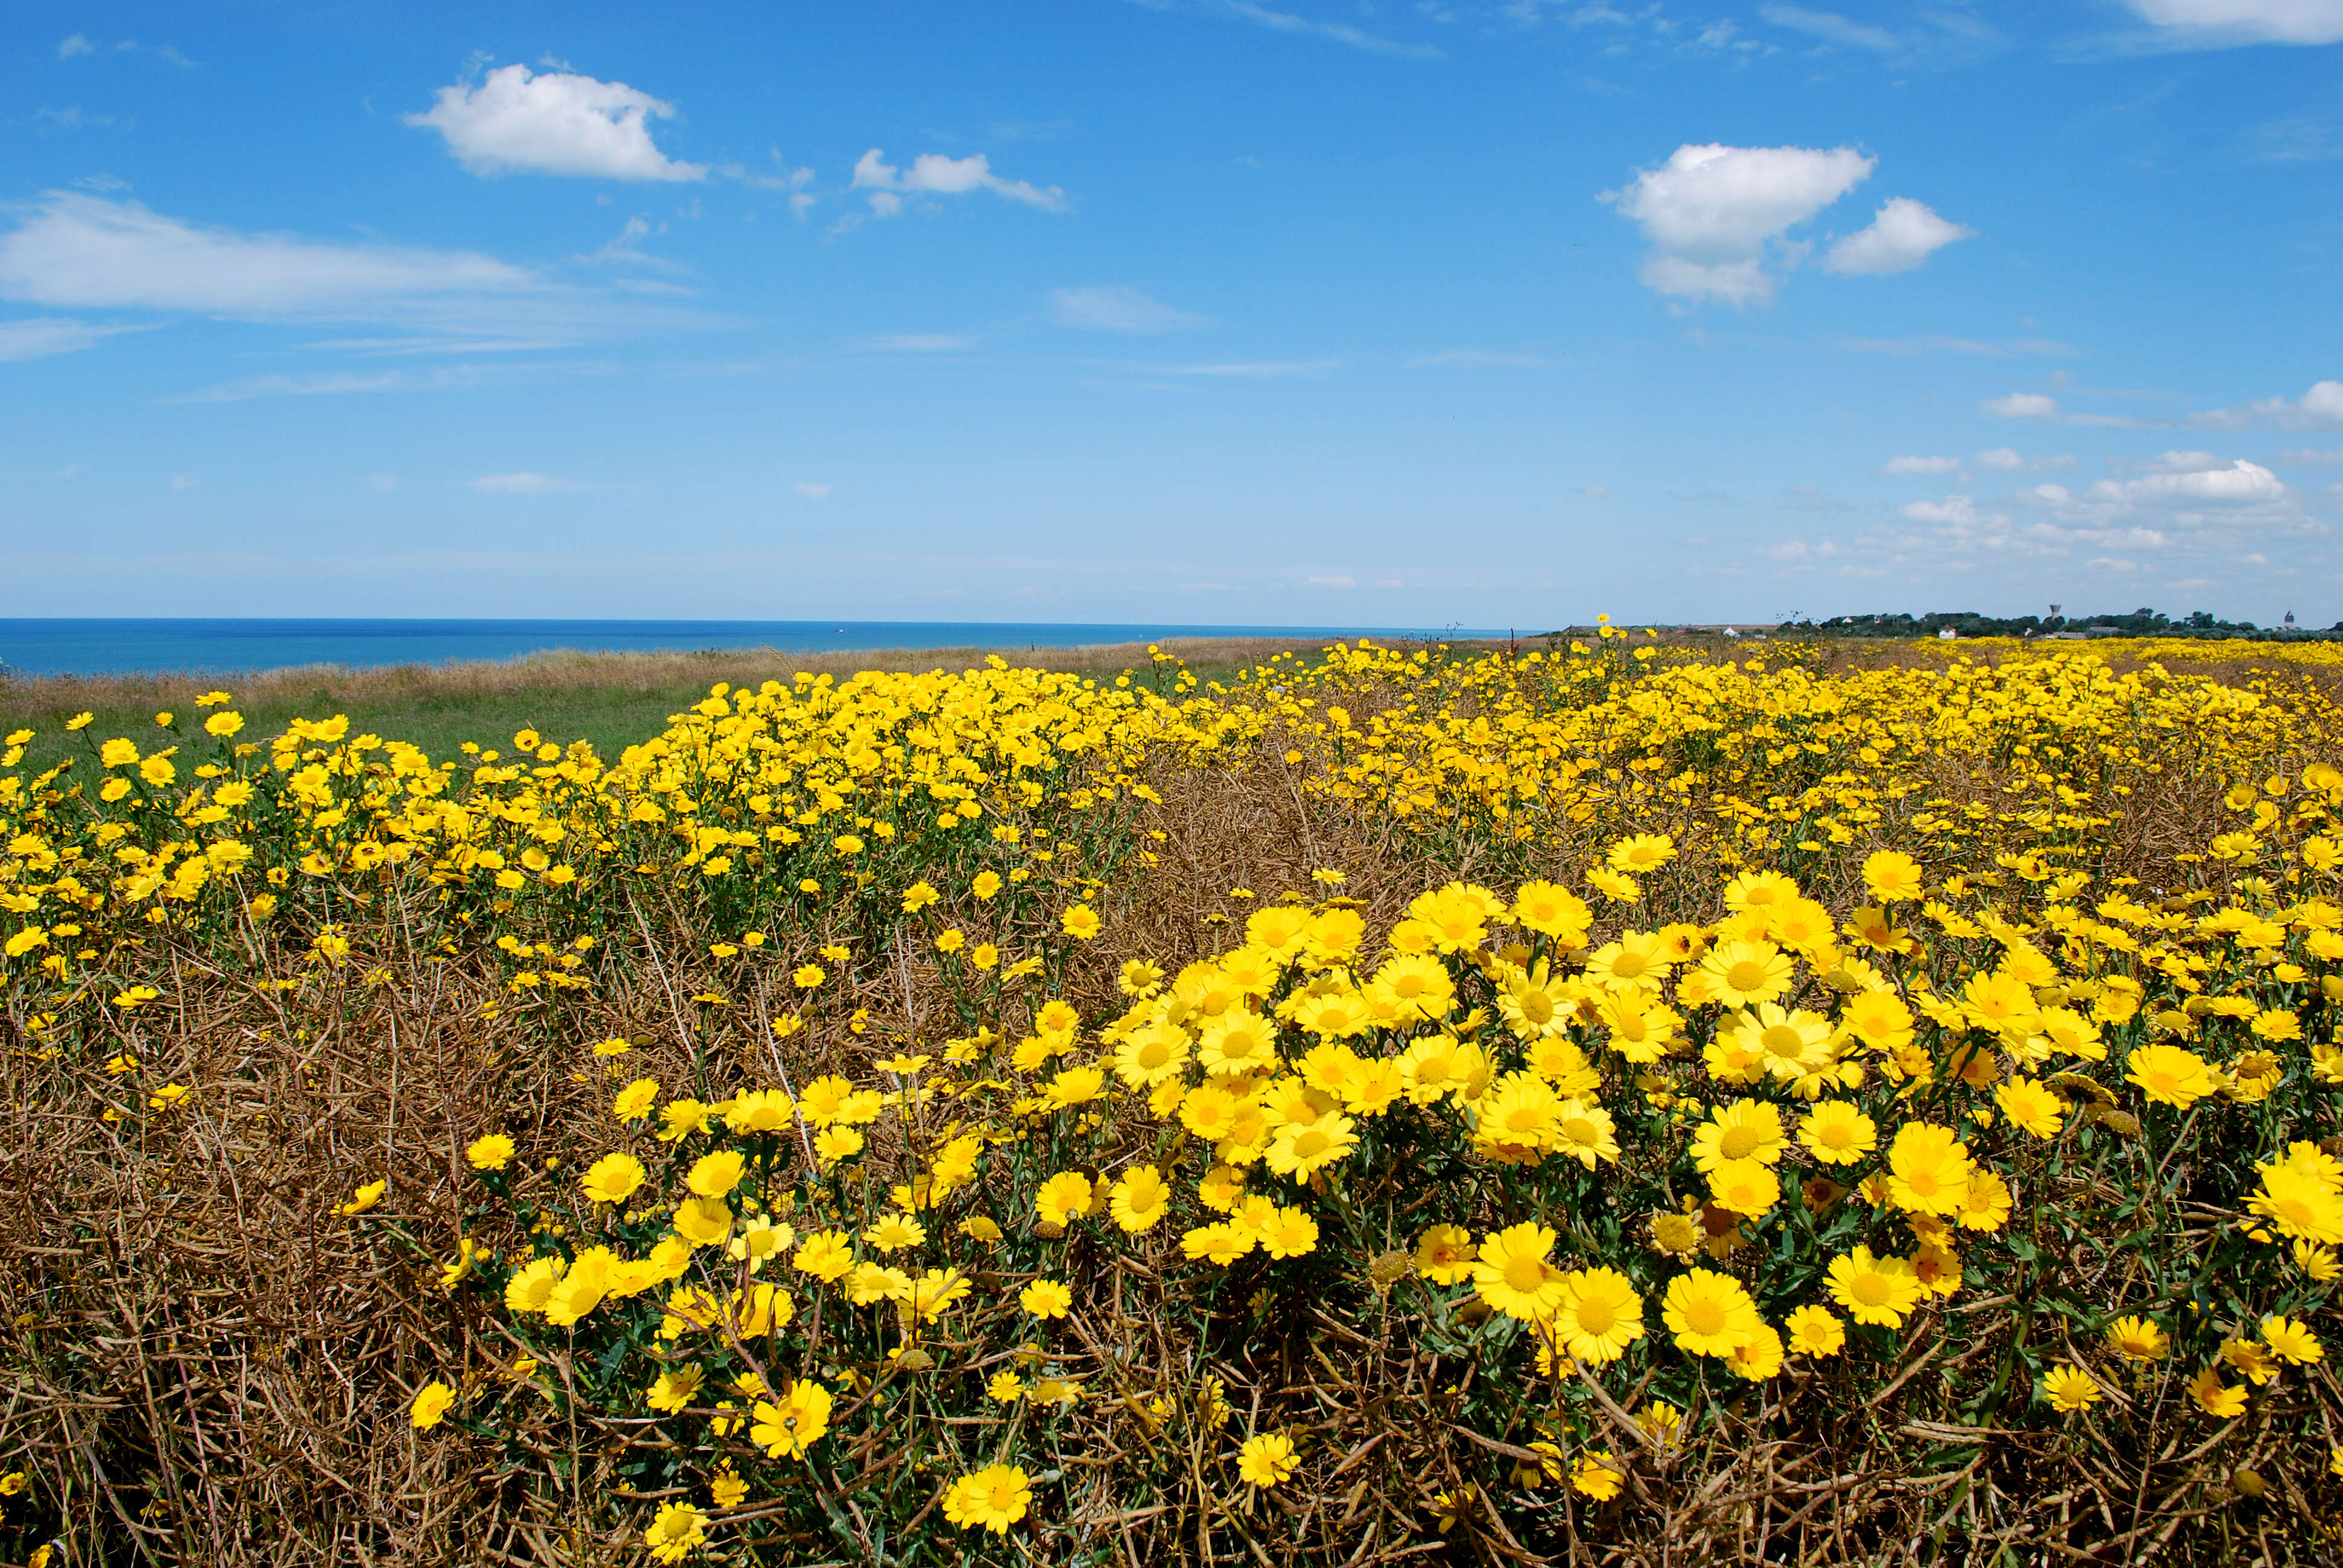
(1602, 1102)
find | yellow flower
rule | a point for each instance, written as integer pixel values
(675, 1389)
(1879, 1290)
(1928, 1169)
(1836, 1134)
(1599, 1315)
(1445, 1254)
(430, 1406)
(715, 1175)
(786, 1428)
(1080, 923)
(1710, 1315)
(1063, 1197)
(826, 1255)
(993, 1498)
(1814, 1332)
(1266, 1461)
(1598, 1475)
(1046, 1298)
(613, 1178)
(2215, 1398)
(2069, 1388)
(363, 1199)
(1513, 1276)
(1140, 1198)
(1892, 876)
(1744, 1130)
(2031, 1107)
(492, 1151)
(2170, 1075)
(1743, 1187)
(635, 1102)
(2138, 1339)
(2291, 1341)
(678, 1530)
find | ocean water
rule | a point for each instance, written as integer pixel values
(109, 646)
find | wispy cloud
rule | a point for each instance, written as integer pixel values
(38, 337)
(1831, 28)
(1925, 343)
(1304, 26)
(1257, 367)
(1121, 309)
(1481, 359)
(920, 343)
(527, 484)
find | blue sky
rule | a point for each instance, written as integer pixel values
(1302, 312)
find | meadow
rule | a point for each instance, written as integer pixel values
(1614, 1100)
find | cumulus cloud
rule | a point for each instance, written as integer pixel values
(1904, 233)
(1920, 465)
(1711, 211)
(558, 122)
(2183, 480)
(2321, 409)
(1959, 509)
(933, 173)
(526, 484)
(1121, 309)
(2247, 21)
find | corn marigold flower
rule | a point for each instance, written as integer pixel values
(1301, 1150)
(715, 1175)
(613, 1179)
(430, 1405)
(1892, 876)
(1743, 1130)
(1836, 1134)
(2069, 1388)
(492, 1151)
(2169, 1075)
(1928, 1169)
(787, 1428)
(1046, 1298)
(1600, 1313)
(675, 1387)
(1080, 923)
(1747, 973)
(2215, 1398)
(1743, 1187)
(826, 1255)
(1266, 1461)
(1815, 1332)
(1513, 1276)
(636, 1101)
(363, 1199)
(2031, 1107)
(1709, 1314)
(2138, 1339)
(1139, 1199)
(2291, 1341)
(993, 1498)
(1445, 1254)
(1598, 1475)
(1879, 1290)
(1063, 1198)
(678, 1530)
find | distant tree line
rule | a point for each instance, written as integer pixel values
(2142, 622)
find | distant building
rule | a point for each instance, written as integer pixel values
(2290, 620)
(1947, 634)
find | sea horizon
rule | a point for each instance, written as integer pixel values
(130, 645)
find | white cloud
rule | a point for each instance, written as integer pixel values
(2247, 21)
(330, 384)
(1830, 26)
(38, 337)
(1959, 509)
(1481, 359)
(920, 343)
(1711, 211)
(1933, 343)
(1597, 491)
(1999, 460)
(1329, 582)
(1340, 32)
(1121, 309)
(75, 44)
(1257, 367)
(1904, 233)
(2321, 409)
(381, 484)
(2022, 406)
(1920, 465)
(82, 251)
(932, 174)
(2310, 458)
(185, 481)
(558, 122)
(2239, 484)
(526, 484)
(813, 490)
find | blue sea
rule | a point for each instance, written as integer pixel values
(64, 646)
